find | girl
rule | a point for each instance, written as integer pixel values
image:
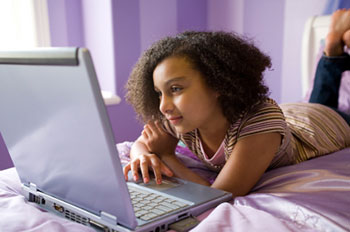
(206, 89)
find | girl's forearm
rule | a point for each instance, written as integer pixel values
(181, 171)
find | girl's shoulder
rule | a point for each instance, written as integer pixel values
(267, 103)
(263, 117)
(264, 110)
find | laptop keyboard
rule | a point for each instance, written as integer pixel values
(148, 205)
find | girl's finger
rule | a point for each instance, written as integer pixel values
(126, 170)
(134, 169)
(159, 127)
(156, 169)
(152, 127)
(165, 170)
(144, 168)
(144, 134)
(148, 130)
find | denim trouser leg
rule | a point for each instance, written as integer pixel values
(327, 82)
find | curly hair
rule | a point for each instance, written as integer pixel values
(231, 65)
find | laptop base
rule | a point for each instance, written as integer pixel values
(99, 223)
(70, 212)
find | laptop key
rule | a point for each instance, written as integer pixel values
(181, 204)
(157, 200)
(161, 198)
(147, 207)
(169, 200)
(164, 208)
(158, 212)
(150, 197)
(146, 202)
(137, 199)
(139, 204)
(141, 213)
(149, 216)
(152, 204)
(172, 206)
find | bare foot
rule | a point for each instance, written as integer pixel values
(338, 33)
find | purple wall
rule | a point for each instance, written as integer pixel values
(99, 39)
(265, 27)
(127, 46)
(192, 15)
(226, 16)
(67, 29)
(292, 45)
(157, 19)
(65, 20)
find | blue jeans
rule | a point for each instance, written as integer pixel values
(327, 82)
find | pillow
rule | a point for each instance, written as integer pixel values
(344, 91)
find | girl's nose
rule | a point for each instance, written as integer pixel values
(165, 105)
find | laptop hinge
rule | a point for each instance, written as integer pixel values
(109, 218)
(32, 187)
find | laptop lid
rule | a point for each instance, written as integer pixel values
(51, 110)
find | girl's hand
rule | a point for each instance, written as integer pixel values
(144, 161)
(157, 140)
(168, 164)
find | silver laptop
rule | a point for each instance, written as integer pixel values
(56, 128)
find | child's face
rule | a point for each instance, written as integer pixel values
(185, 99)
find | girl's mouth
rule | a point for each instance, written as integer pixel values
(175, 120)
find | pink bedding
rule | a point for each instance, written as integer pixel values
(311, 196)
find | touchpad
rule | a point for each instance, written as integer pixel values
(167, 183)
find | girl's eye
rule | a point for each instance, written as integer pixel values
(175, 89)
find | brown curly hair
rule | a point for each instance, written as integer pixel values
(232, 66)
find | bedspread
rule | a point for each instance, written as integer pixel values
(310, 196)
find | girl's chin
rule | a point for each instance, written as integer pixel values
(182, 130)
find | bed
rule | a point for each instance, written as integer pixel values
(310, 196)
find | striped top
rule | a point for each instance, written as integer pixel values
(308, 130)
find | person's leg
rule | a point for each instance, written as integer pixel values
(327, 82)
(333, 64)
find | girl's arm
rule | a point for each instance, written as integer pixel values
(181, 171)
(249, 160)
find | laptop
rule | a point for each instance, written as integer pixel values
(55, 125)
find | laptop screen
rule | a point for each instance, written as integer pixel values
(55, 126)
